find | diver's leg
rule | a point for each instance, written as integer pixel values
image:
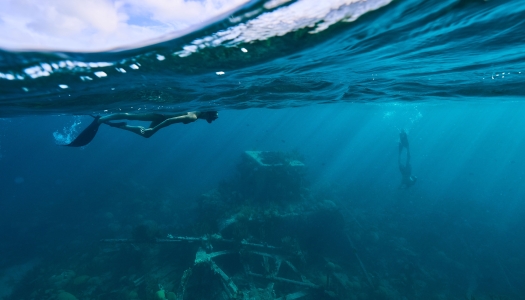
(156, 122)
(403, 138)
(133, 116)
(148, 132)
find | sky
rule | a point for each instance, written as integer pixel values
(98, 25)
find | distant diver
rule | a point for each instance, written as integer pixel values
(158, 121)
(407, 180)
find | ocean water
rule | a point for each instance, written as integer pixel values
(328, 84)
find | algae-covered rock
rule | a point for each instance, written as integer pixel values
(95, 281)
(81, 280)
(63, 295)
(355, 284)
(133, 295)
(62, 279)
(172, 296)
(161, 295)
(385, 292)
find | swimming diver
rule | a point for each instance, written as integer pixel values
(158, 121)
(407, 180)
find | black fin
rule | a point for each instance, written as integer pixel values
(86, 136)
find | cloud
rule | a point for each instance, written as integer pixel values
(94, 25)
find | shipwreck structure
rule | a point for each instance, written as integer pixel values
(262, 235)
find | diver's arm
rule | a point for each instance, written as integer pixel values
(135, 129)
(185, 119)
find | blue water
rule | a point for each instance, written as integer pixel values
(448, 72)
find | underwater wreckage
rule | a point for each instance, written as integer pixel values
(260, 235)
(259, 227)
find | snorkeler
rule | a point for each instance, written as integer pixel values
(158, 121)
(407, 180)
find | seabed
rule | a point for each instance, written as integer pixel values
(261, 235)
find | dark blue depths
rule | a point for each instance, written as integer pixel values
(458, 232)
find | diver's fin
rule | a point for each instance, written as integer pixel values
(87, 135)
